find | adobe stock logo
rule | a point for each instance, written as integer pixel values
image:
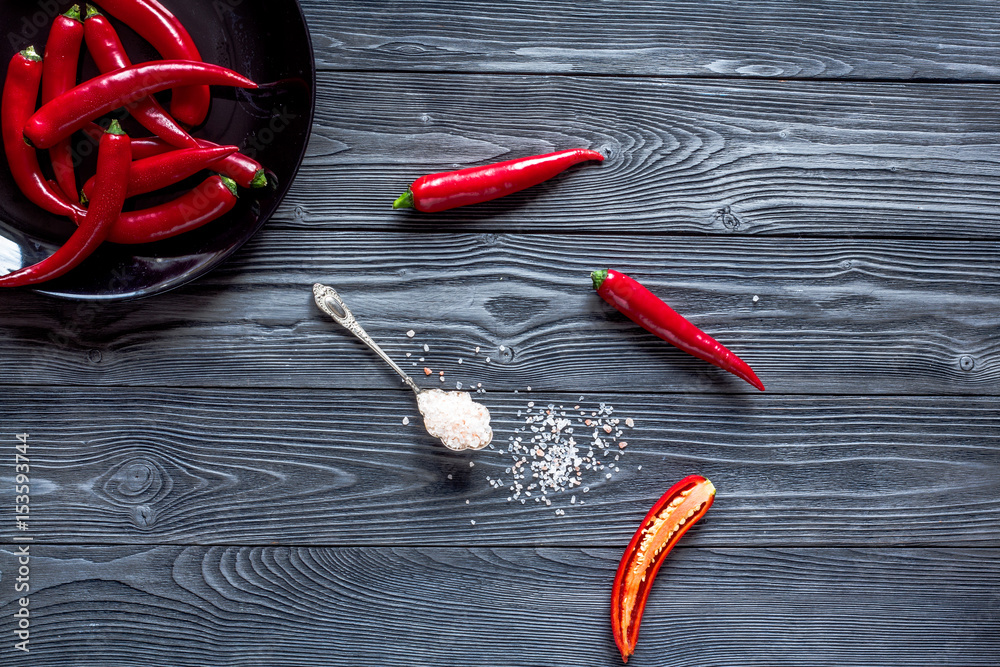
(32, 25)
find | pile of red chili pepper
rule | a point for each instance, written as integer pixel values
(126, 167)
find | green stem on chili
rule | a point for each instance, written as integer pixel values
(645, 309)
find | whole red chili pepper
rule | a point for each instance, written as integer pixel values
(246, 171)
(159, 27)
(75, 108)
(62, 56)
(673, 514)
(20, 92)
(440, 192)
(114, 158)
(109, 55)
(161, 171)
(215, 197)
(645, 309)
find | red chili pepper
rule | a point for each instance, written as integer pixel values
(440, 192)
(673, 514)
(75, 108)
(62, 56)
(209, 201)
(110, 56)
(20, 92)
(156, 173)
(645, 309)
(114, 159)
(159, 27)
(246, 171)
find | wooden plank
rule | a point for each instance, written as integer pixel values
(193, 466)
(504, 607)
(832, 317)
(777, 39)
(716, 157)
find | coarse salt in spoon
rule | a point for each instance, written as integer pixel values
(451, 416)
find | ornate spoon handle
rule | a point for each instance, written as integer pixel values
(330, 303)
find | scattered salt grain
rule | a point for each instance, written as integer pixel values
(473, 521)
(487, 360)
(477, 349)
(427, 371)
(427, 348)
(502, 348)
(441, 378)
(459, 361)
(408, 354)
(450, 476)
(756, 298)
(411, 333)
(630, 422)
(406, 421)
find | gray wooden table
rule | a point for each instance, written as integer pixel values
(220, 476)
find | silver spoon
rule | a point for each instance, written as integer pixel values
(330, 303)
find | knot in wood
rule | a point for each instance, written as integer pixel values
(136, 481)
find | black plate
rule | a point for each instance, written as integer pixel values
(266, 40)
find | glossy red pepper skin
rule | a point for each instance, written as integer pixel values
(447, 190)
(62, 56)
(645, 309)
(106, 48)
(20, 93)
(114, 158)
(154, 23)
(673, 515)
(215, 197)
(74, 109)
(155, 173)
(246, 171)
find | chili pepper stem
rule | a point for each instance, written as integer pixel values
(231, 184)
(31, 54)
(259, 180)
(92, 11)
(405, 201)
(73, 13)
(599, 277)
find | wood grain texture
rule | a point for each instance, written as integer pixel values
(709, 157)
(301, 467)
(506, 607)
(777, 39)
(833, 316)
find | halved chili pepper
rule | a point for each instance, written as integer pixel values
(62, 56)
(114, 158)
(75, 108)
(246, 171)
(20, 92)
(673, 515)
(155, 173)
(440, 192)
(215, 197)
(648, 311)
(109, 55)
(154, 23)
